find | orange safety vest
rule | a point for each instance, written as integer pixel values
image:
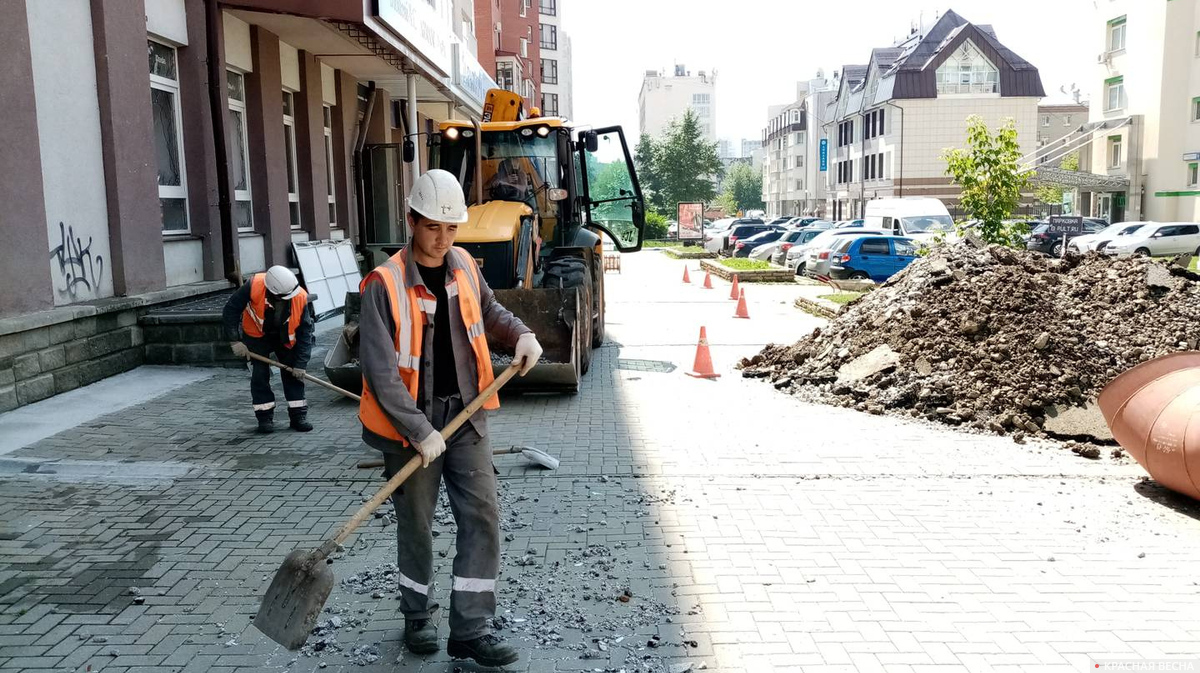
(256, 310)
(412, 308)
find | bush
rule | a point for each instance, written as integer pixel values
(656, 226)
(739, 264)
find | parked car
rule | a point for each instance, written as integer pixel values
(918, 217)
(1158, 239)
(779, 221)
(877, 258)
(850, 224)
(816, 254)
(718, 242)
(1041, 239)
(744, 247)
(742, 231)
(795, 238)
(1091, 242)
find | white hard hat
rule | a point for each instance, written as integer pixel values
(438, 196)
(281, 282)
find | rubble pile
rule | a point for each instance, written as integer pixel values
(995, 339)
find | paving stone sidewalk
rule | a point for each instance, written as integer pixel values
(747, 531)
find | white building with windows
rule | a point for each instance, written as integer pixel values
(1145, 111)
(793, 181)
(557, 81)
(893, 117)
(666, 99)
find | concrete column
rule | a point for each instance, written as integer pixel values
(412, 124)
(310, 148)
(130, 171)
(198, 151)
(345, 118)
(25, 273)
(268, 164)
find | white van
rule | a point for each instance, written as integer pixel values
(917, 217)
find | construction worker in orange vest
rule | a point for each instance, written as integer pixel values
(272, 312)
(426, 316)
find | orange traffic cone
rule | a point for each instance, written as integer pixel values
(733, 294)
(686, 278)
(741, 307)
(703, 367)
(707, 281)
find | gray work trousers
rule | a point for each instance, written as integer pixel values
(471, 485)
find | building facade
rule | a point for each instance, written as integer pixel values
(893, 117)
(1145, 111)
(793, 180)
(148, 166)
(509, 43)
(1056, 123)
(666, 99)
(557, 78)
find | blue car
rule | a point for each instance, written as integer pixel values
(875, 257)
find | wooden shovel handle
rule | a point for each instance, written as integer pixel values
(412, 465)
(307, 376)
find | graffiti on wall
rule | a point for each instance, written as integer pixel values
(77, 272)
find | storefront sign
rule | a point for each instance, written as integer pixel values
(469, 76)
(824, 154)
(423, 27)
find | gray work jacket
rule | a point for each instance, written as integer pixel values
(377, 355)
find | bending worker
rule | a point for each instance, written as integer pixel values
(426, 316)
(273, 311)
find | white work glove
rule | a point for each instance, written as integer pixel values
(431, 447)
(528, 352)
(298, 373)
(239, 349)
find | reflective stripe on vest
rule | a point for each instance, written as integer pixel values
(256, 311)
(411, 309)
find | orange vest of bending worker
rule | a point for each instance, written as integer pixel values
(256, 310)
(412, 308)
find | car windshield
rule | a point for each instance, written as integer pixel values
(515, 167)
(1130, 229)
(927, 223)
(906, 247)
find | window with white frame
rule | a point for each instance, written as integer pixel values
(1114, 151)
(1116, 34)
(1193, 173)
(1067, 121)
(1196, 109)
(967, 71)
(289, 150)
(1114, 94)
(504, 75)
(524, 48)
(524, 6)
(168, 137)
(243, 211)
(1045, 120)
(327, 111)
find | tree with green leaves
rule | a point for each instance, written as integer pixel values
(988, 173)
(684, 165)
(743, 189)
(644, 160)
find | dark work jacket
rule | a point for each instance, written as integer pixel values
(274, 324)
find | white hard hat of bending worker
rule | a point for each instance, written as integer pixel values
(438, 196)
(281, 282)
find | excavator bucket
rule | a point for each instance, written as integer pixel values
(1153, 411)
(551, 314)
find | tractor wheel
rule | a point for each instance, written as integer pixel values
(598, 300)
(568, 272)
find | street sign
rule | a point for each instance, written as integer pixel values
(1067, 225)
(1191, 156)
(824, 154)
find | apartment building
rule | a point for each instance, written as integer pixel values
(116, 196)
(666, 99)
(510, 45)
(1145, 112)
(557, 98)
(1056, 122)
(793, 183)
(893, 116)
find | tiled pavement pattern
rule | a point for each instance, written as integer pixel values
(774, 535)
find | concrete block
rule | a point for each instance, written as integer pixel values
(200, 333)
(35, 339)
(35, 389)
(26, 366)
(161, 334)
(159, 354)
(85, 327)
(53, 358)
(76, 351)
(10, 345)
(8, 398)
(136, 337)
(193, 354)
(108, 322)
(62, 332)
(7, 376)
(127, 318)
(68, 378)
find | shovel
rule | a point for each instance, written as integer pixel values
(535, 456)
(302, 584)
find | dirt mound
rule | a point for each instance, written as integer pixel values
(992, 338)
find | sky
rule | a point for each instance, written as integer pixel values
(761, 48)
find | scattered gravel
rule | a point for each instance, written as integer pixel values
(991, 338)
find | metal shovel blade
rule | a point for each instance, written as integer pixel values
(539, 457)
(295, 598)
